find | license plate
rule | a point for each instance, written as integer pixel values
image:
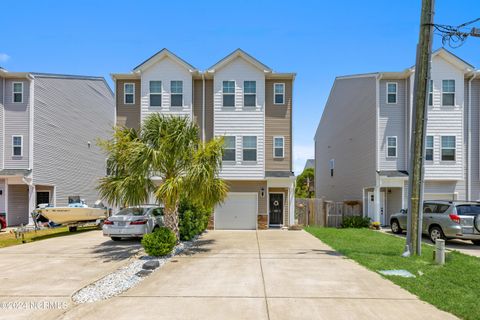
(121, 223)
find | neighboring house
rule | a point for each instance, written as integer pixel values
(362, 142)
(49, 126)
(240, 99)
(309, 164)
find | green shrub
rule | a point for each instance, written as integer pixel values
(193, 220)
(159, 243)
(355, 222)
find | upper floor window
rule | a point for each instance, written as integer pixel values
(391, 147)
(331, 165)
(448, 92)
(176, 89)
(129, 93)
(279, 93)
(18, 92)
(430, 92)
(278, 147)
(228, 93)
(229, 148)
(155, 93)
(250, 148)
(249, 93)
(429, 148)
(391, 92)
(448, 148)
(17, 146)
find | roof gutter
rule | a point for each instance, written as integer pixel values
(469, 138)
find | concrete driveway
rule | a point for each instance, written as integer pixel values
(261, 275)
(37, 279)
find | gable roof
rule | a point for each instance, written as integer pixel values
(452, 58)
(242, 54)
(161, 55)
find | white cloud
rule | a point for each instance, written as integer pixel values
(300, 155)
(4, 57)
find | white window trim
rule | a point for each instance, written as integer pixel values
(396, 92)
(283, 94)
(21, 145)
(256, 149)
(250, 94)
(154, 93)
(396, 147)
(454, 95)
(442, 148)
(283, 147)
(13, 92)
(125, 93)
(172, 93)
(230, 94)
(234, 148)
(430, 86)
(432, 148)
(331, 167)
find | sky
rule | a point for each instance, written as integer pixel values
(318, 40)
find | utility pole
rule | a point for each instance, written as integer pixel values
(419, 119)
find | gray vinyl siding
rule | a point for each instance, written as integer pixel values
(391, 122)
(475, 141)
(17, 122)
(346, 133)
(17, 204)
(69, 113)
(2, 83)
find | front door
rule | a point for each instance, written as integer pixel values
(276, 208)
(371, 206)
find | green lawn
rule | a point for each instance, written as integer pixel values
(453, 287)
(7, 239)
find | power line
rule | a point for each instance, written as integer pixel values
(455, 36)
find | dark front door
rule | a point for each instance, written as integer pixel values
(276, 208)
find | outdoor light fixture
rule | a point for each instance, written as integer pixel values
(262, 192)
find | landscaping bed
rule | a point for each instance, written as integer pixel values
(453, 287)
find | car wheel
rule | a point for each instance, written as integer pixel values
(436, 233)
(116, 238)
(476, 242)
(395, 226)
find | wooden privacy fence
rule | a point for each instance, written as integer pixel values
(324, 213)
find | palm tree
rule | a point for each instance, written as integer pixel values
(165, 158)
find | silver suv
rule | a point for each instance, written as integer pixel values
(445, 220)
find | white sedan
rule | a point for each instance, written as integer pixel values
(133, 222)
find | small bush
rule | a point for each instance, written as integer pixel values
(193, 220)
(159, 243)
(355, 222)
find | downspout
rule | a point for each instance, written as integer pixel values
(203, 107)
(469, 139)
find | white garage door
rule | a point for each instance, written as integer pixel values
(439, 196)
(238, 212)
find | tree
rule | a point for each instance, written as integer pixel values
(166, 158)
(304, 187)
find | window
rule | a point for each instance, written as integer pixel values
(17, 146)
(391, 92)
(430, 93)
(129, 93)
(249, 93)
(176, 89)
(250, 148)
(278, 147)
(429, 148)
(229, 148)
(391, 147)
(448, 92)
(155, 93)
(18, 92)
(331, 166)
(229, 93)
(279, 93)
(448, 148)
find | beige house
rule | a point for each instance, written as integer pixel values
(240, 99)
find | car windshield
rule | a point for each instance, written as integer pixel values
(135, 211)
(468, 209)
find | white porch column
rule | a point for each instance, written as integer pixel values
(291, 202)
(31, 203)
(376, 213)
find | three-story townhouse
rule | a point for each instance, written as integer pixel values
(363, 139)
(240, 99)
(49, 126)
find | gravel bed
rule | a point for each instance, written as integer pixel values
(124, 278)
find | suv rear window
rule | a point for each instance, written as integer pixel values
(468, 209)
